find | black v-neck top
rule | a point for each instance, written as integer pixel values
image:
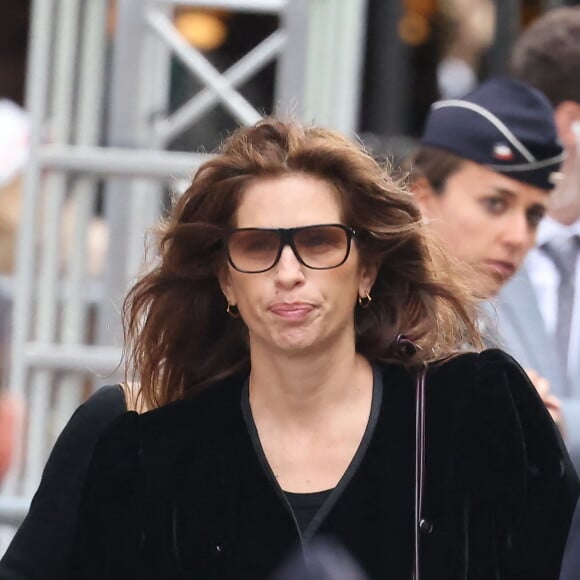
(306, 505)
(310, 509)
(181, 491)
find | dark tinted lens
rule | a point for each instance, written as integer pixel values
(253, 250)
(322, 246)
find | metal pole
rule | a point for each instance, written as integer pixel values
(318, 65)
(36, 101)
(387, 100)
(81, 202)
(119, 162)
(96, 359)
(334, 63)
(123, 126)
(49, 279)
(507, 27)
(152, 101)
(290, 79)
(352, 29)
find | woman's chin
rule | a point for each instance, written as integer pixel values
(293, 343)
(297, 340)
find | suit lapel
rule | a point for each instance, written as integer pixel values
(522, 327)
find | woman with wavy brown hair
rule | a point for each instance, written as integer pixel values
(297, 343)
(184, 329)
(297, 346)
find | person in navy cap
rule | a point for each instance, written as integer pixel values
(482, 177)
(539, 310)
(483, 172)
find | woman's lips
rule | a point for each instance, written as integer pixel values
(501, 269)
(295, 311)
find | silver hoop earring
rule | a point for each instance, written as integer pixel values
(233, 311)
(364, 301)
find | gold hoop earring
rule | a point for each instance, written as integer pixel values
(233, 311)
(364, 301)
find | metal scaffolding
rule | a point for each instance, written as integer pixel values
(100, 129)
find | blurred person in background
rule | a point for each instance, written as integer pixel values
(469, 27)
(539, 310)
(482, 177)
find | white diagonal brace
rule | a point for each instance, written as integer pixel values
(238, 106)
(237, 74)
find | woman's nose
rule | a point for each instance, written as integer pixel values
(289, 270)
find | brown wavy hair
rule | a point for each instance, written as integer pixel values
(179, 338)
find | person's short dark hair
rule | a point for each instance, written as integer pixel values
(547, 55)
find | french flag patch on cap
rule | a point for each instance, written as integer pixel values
(502, 152)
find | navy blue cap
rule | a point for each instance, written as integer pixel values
(503, 124)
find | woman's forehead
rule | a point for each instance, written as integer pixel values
(288, 201)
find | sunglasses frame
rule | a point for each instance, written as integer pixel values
(286, 236)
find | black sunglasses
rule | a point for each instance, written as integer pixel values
(319, 247)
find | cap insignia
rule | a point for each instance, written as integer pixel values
(502, 152)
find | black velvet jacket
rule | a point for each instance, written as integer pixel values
(183, 491)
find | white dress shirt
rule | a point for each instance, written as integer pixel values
(545, 279)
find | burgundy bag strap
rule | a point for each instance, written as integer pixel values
(419, 463)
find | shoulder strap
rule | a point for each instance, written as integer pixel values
(419, 462)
